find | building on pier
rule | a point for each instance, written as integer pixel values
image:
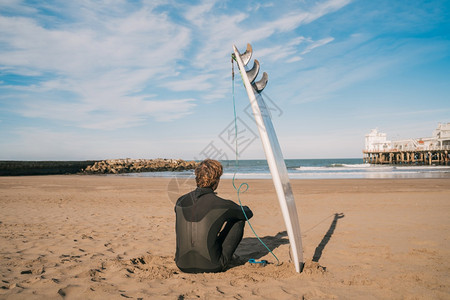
(415, 151)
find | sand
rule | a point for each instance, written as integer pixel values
(98, 237)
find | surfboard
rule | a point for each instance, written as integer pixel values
(272, 150)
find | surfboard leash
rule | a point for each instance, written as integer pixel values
(236, 165)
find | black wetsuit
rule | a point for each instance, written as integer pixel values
(202, 244)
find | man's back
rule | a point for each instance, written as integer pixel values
(200, 216)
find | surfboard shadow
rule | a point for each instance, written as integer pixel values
(326, 238)
(251, 247)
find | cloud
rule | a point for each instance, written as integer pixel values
(123, 63)
(405, 113)
(195, 83)
(223, 30)
(317, 44)
(196, 14)
(357, 58)
(211, 44)
(259, 6)
(290, 51)
(142, 40)
(102, 67)
(118, 112)
(91, 66)
(16, 6)
(298, 17)
(26, 142)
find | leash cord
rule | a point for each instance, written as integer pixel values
(236, 164)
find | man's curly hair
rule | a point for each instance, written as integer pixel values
(208, 173)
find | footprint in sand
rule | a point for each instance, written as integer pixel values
(151, 267)
(71, 290)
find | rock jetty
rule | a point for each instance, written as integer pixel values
(22, 168)
(116, 166)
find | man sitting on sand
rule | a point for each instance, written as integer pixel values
(204, 244)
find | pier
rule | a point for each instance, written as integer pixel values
(433, 150)
(439, 156)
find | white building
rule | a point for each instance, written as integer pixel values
(442, 134)
(377, 141)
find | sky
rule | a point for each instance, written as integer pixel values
(88, 80)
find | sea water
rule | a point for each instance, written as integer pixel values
(347, 168)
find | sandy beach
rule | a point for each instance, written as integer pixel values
(98, 237)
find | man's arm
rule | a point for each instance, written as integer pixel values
(235, 211)
(248, 211)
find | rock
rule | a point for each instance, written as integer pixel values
(116, 166)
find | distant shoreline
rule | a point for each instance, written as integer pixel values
(246, 169)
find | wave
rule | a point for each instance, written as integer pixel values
(368, 167)
(333, 167)
(343, 175)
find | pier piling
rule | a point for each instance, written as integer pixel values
(411, 157)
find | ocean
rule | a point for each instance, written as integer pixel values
(348, 168)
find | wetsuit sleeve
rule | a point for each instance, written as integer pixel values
(235, 211)
(248, 212)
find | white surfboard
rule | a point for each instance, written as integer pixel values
(272, 150)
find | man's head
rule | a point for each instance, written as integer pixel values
(207, 173)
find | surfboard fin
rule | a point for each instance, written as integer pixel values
(261, 84)
(247, 54)
(253, 72)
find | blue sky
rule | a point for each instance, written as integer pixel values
(146, 79)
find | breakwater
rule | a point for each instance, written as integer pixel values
(117, 166)
(110, 166)
(19, 168)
